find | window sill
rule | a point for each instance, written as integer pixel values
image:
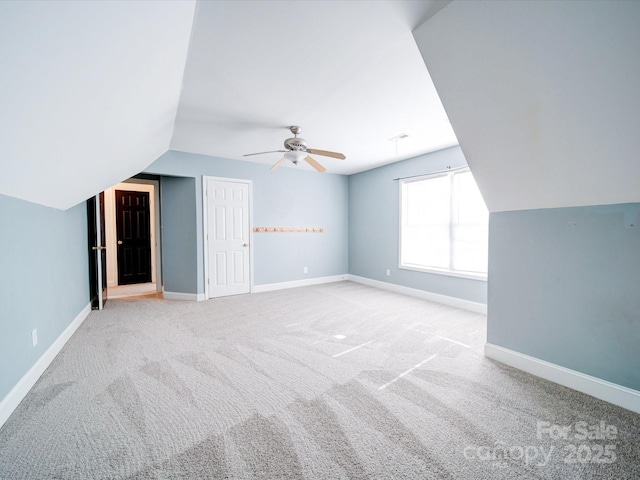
(468, 275)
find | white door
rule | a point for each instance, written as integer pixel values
(227, 240)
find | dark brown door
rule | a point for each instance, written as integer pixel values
(134, 237)
(97, 252)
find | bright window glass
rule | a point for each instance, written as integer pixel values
(444, 224)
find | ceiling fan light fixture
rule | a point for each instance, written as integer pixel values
(295, 156)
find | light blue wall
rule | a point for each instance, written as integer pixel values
(288, 197)
(179, 234)
(564, 286)
(43, 280)
(374, 227)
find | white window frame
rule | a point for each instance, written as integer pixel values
(439, 271)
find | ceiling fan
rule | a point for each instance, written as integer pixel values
(296, 150)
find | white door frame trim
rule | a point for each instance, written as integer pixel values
(205, 216)
(157, 233)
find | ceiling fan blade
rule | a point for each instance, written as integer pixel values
(325, 153)
(278, 163)
(315, 164)
(260, 153)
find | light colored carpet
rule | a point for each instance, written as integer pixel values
(325, 382)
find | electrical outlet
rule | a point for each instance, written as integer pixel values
(305, 270)
(388, 272)
(34, 337)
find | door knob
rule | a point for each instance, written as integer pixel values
(245, 245)
(119, 242)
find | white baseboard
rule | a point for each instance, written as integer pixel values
(414, 292)
(193, 297)
(609, 392)
(20, 390)
(189, 297)
(269, 287)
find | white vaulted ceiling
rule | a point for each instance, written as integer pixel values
(93, 92)
(542, 95)
(348, 72)
(88, 93)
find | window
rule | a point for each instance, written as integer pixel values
(444, 225)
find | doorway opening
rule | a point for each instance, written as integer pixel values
(132, 231)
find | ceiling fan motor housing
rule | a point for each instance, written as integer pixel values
(296, 144)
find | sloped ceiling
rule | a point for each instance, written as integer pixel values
(348, 72)
(88, 93)
(92, 92)
(543, 97)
